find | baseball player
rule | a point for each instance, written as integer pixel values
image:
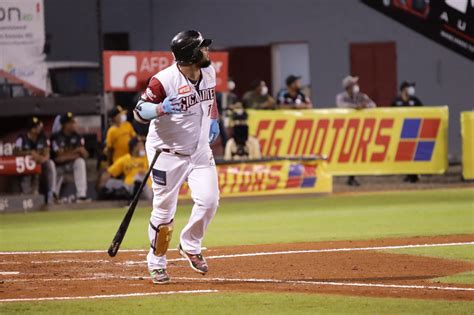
(180, 105)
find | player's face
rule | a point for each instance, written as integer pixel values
(205, 61)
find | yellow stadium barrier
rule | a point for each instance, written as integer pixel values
(467, 134)
(359, 142)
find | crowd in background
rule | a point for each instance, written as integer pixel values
(123, 163)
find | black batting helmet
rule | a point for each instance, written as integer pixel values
(186, 47)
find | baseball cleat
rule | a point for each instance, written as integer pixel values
(197, 262)
(159, 276)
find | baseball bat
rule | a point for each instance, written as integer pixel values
(118, 238)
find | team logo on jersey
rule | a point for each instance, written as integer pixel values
(184, 89)
(149, 94)
(196, 98)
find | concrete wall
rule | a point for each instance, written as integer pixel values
(442, 76)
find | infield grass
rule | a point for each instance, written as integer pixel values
(276, 220)
(244, 303)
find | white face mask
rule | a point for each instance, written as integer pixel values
(239, 111)
(355, 89)
(231, 85)
(123, 118)
(141, 152)
(264, 90)
(411, 90)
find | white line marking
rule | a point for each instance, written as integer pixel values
(107, 296)
(7, 273)
(104, 251)
(331, 283)
(329, 250)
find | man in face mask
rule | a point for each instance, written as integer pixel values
(132, 166)
(258, 97)
(407, 98)
(407, 95)
(352, 97)
(119, 134)
(293, 97)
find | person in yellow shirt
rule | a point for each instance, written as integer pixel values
(124, 176)
(118, 135)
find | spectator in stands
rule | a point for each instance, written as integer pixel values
(69, 154)
(407, 98)
(34, 143)
(132, 168)
(407, 95)
(119, 134)
(353, 98)
(258, 97)
(241, 146)
(293, 97)
(225, 103)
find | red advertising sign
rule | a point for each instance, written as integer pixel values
(129, 71)
(18, 165)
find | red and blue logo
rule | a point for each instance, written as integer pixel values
(418, 139)
(301, 176)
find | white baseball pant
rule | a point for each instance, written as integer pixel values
(169, 173)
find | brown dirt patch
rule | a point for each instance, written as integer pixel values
(351, 272)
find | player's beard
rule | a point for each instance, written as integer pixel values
(204, 63)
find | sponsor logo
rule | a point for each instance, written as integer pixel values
(123, 72)
(417, 139)
(184, 89)
(301, 176)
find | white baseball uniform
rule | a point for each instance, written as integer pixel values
(186, 137)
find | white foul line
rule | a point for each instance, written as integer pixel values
(106, 296)
(329, 250)
(330, 283)
(8, 273)
(80, 251)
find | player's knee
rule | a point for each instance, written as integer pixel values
(208, 201)
(79, 162)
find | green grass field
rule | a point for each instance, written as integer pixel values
(348, 217)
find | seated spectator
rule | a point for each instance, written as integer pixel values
(241, 146)
(69, 154)
(119, 134)
(132, 167)
(407, 95)
(258, 97)
(35, 143)
(407, 98)
(352, 97)
(293, 97)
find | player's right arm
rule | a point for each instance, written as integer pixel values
(154, 103)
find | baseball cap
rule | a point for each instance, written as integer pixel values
(33, 122)
(292, 78)
(406, 84)
(349, 80)
(65, 118)
(115, 111)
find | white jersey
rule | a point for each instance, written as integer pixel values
(187, 131)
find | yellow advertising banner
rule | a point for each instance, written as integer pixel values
(359, 142)
(271, 178)
(467, 134)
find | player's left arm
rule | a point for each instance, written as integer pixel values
(214, 115)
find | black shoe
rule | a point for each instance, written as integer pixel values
(351, 181)
(159, 276)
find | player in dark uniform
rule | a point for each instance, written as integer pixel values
(407, 98)
(34, 143)
(69, 154)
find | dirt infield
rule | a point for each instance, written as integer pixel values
(358, 268)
